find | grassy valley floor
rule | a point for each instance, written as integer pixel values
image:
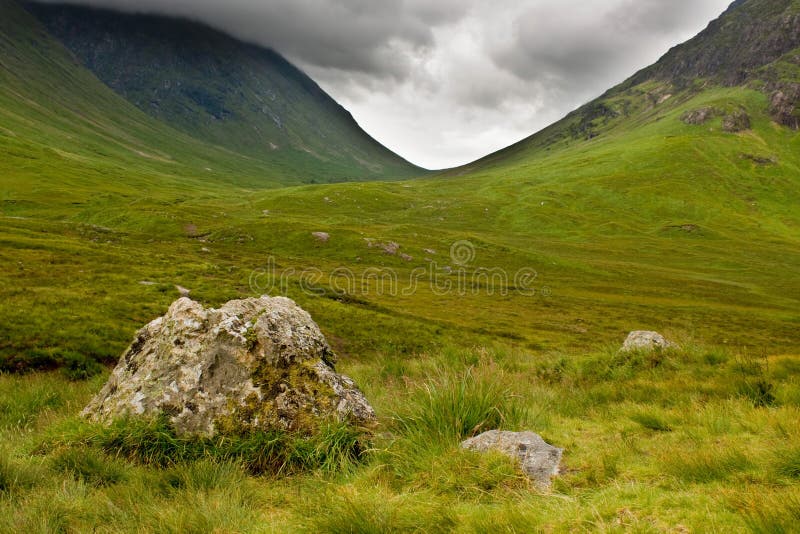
(693, 440)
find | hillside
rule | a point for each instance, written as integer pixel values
(59, 122)
(212, 87)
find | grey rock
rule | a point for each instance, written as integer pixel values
(252, 365)
(643, 340)
(699, 116)
(738, 121)
(322, 237)
(785, 105)
(390, 248)
(539, 460)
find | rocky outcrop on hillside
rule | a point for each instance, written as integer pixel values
(785, 104)
(735, 122)
(749, 35)
(251, 365)
(699, 116)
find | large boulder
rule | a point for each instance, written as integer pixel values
(538, 460)
(644, 341)
(252, 365)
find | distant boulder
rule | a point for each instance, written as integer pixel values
(538, 460)
(251, 365)
(642, 340)
(735, 122)
(322, 237)
(699, 116)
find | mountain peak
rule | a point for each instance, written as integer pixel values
(749, 36)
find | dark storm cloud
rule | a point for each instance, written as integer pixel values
(444, 82)
(349, 35)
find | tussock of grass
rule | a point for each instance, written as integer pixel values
(375, 511)
(16, 475)
(89, 466)
(709, 465)
(651, 421)
(451, 407)
(773, 514)
(787, 463)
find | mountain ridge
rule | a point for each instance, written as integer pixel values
(772, 67)
(221, 90)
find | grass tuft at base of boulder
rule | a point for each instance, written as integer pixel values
(336, 448)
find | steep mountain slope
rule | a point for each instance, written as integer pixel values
(755, 44)
(56, 116)
(242, 97)
(735, 47)
(63, 130)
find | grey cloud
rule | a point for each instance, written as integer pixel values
(573, 46)
(351, 35)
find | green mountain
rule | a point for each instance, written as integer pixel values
(242, 97)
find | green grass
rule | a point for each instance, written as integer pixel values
(722, 462)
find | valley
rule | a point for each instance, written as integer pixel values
(630, 214)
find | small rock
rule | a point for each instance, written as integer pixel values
(390, 248)
(322, 237)
(205, 249)
(538, 459)
(406, 257)
(147, 283)
(643, 340)
(182, 291)
(430, 251)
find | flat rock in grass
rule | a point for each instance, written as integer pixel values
(538, 459)
(252, 365)
(643, 340)
(322, 237)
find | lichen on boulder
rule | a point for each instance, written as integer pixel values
(252, 365)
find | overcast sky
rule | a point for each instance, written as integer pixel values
(444, 82)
